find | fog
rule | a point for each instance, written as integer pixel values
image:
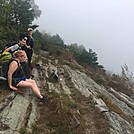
(105, 26)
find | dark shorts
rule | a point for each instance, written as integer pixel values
(15, 81)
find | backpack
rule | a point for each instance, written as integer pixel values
(5, 58)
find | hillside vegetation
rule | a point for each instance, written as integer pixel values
(55, 46)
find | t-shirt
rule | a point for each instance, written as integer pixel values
(14, 47)
(30, 41)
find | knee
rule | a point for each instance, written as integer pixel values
(31, 85)
(33, 81)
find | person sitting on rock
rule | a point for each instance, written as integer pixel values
(16, 77)
(19, 46)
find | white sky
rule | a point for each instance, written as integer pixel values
(105, 26)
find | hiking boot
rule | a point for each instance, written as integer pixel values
(44, 99)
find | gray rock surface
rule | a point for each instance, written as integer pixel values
(19, 111)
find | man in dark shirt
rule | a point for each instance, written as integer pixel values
(29, 47)
(17, 45)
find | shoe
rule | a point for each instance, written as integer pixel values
(44, 99)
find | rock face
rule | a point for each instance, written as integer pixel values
(121, 121)
(19, 111)
(16, 113)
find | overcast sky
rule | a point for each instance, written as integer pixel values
(105, 26)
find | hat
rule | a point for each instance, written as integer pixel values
(29, 29)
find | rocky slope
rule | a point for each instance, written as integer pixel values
(77, 104)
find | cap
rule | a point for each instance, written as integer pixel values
(29, 29)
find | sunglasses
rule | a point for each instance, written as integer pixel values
(25, 39)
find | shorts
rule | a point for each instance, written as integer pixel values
(15, 81)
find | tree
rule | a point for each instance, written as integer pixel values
(16, 16)
(57, 40)
(7, 31)
(83, 56)
(89, 58)
(75, 48)
(23, 13)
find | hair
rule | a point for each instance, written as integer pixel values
(18, 53)
(22, 36)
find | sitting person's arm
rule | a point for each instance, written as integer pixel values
(12, 48)
(12, 67)
(7, 49)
